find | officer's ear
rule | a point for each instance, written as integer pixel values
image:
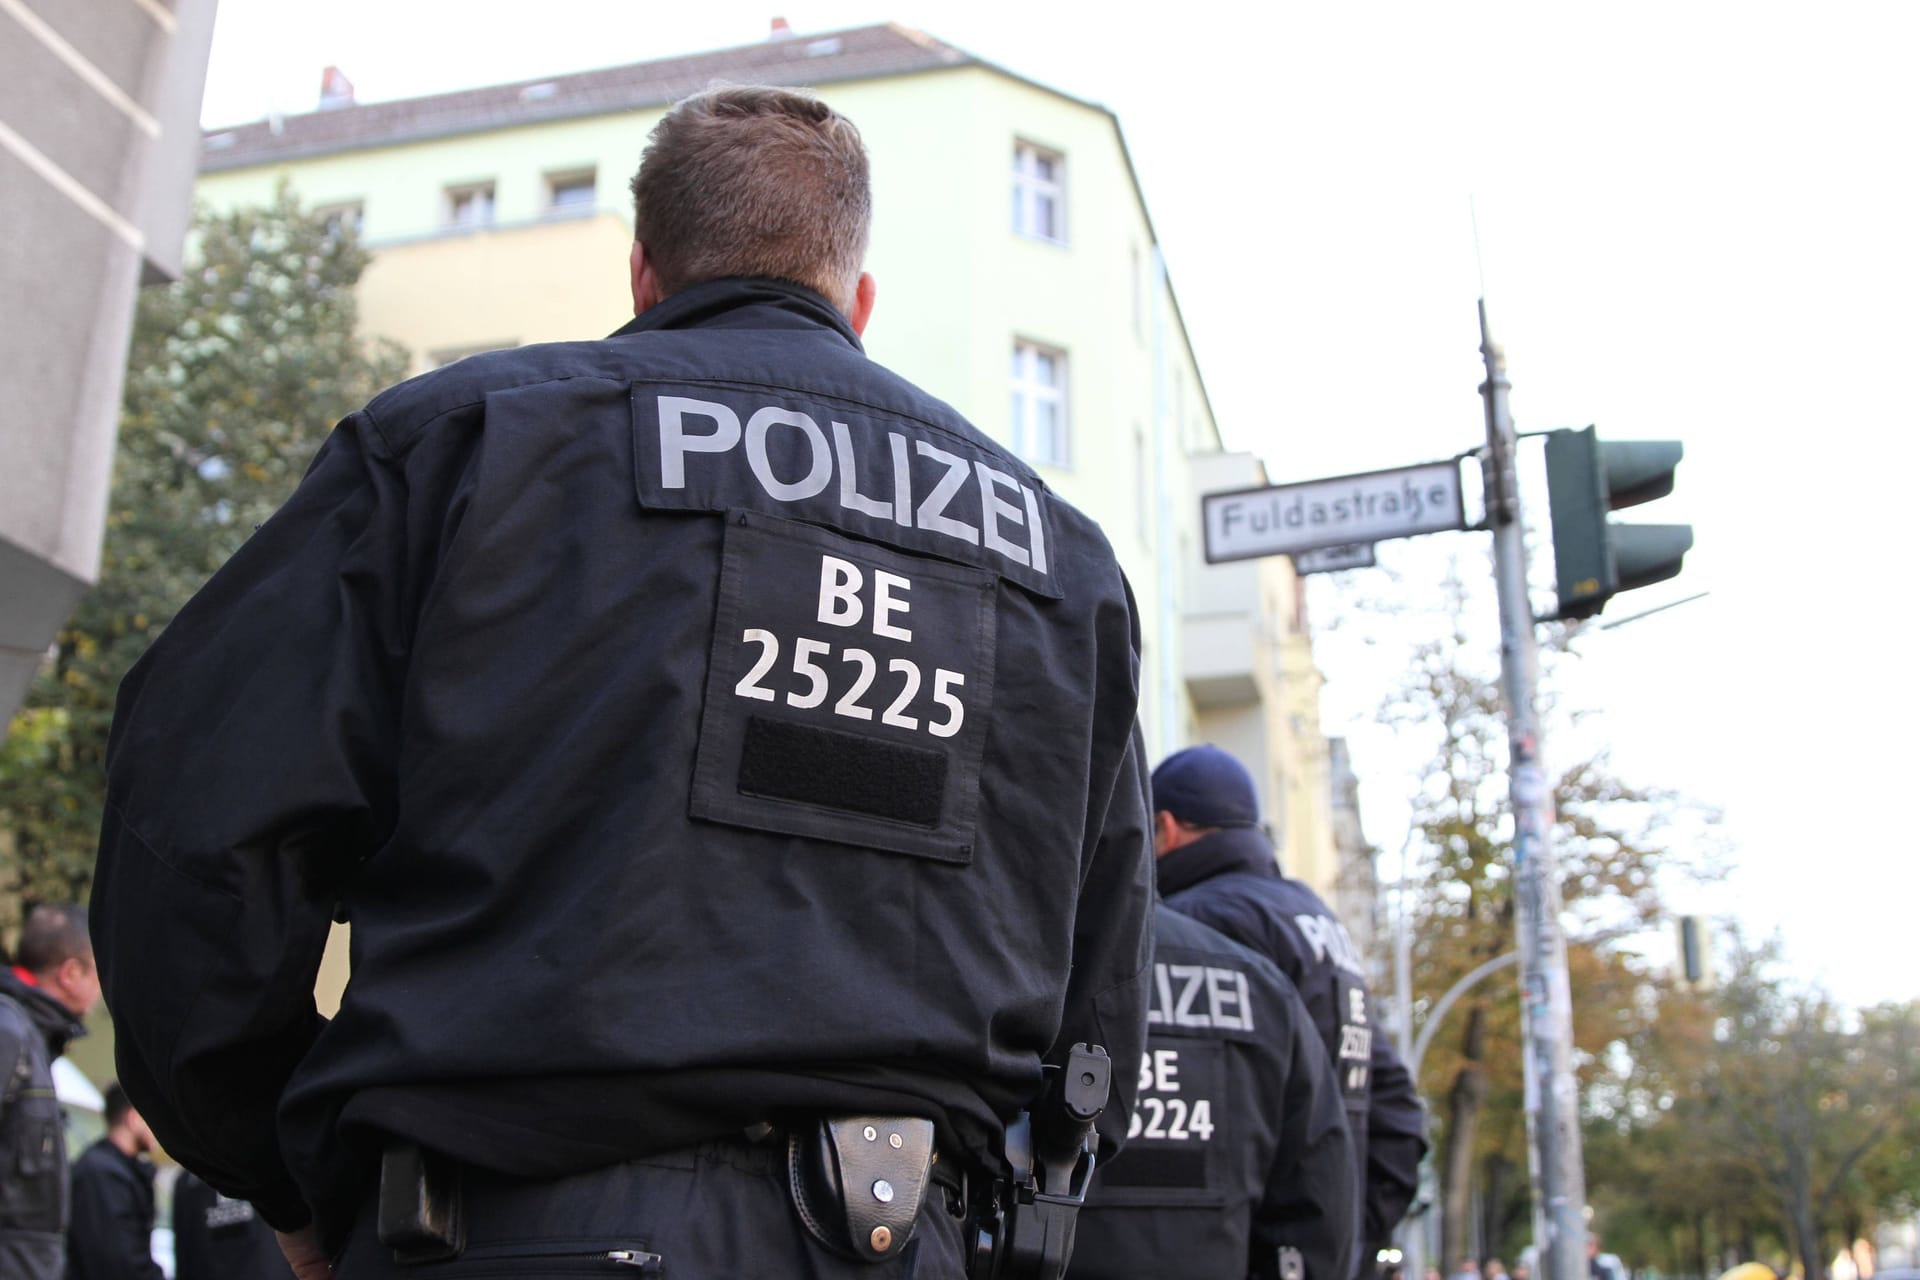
(1166, 831)
(863, 295)
(646, 281)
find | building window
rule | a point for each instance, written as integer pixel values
(470, 205)
(1039, 193)
(1139, 304)
(340, 218)
(1142, 486)
(570, 192)
(1040, 404)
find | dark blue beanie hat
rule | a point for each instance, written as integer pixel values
(1206, 787)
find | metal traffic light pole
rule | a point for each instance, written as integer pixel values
(1546, 1003)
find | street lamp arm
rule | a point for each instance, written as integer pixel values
(1431, 1023)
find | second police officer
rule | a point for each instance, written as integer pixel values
(1238, 1161)
(1215, 864)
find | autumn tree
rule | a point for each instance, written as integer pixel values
(237, 372)
(1612, 840)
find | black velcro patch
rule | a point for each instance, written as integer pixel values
(1156, 1167)
(783, 761)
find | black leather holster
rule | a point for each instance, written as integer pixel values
(858, 1181)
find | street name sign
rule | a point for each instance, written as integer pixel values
(1348, 555)
(1286, 519)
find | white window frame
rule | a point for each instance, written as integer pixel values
(1136, 282)
(572, 180)
(1144, 498)
(1028, 390)
(1032, 192)
(451, 215)
(342, 213)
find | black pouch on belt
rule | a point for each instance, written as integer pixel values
(419, 1216)
(858, 1181)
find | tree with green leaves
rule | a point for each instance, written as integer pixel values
(237, 372)
(1764, 1123)
(1612, 842)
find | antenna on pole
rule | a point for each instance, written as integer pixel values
(1479, 262)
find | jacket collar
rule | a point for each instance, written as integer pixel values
(53, 1020)
(1216, 853)
(743, 302)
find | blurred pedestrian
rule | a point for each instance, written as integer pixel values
(44, 1000)
(111, 1233)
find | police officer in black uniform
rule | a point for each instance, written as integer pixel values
(723, 751)
(216, 1237)
(1238, 1162)
(1216, 865)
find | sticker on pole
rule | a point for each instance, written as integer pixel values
(1288, 519)
(1347, 555)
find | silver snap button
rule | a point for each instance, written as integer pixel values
(883, 1191)
(871, 1133)
(893, 1140)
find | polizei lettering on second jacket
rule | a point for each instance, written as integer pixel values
(839, 463)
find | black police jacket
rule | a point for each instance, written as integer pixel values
(216, 1237)
(1229, 879)
(111, 1233)
(34, 1030)
(699, 726)
(1238, 1152)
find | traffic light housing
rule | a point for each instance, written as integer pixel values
(1693, 968)
(1594, 558)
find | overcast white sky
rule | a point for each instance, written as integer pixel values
(1696, 221)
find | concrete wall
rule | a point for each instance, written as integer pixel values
(99, 139)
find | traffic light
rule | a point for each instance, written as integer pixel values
(1694, 968)
(1595, 558)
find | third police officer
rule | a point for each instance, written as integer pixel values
(1217, 865)
(1238, 1161)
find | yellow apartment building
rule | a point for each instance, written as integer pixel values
(1019, 279)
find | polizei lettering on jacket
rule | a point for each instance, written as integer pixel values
(1331, 942)
(1201, 996)
(880, 476)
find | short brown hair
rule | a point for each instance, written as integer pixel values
(747, 180)
(54, 933)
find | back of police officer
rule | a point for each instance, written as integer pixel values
(705, 731)
(1215, 864)
(1238, 1160)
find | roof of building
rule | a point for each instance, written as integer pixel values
(857, 54)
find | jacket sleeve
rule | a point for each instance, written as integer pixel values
(1396, 1140)
(1309, 1200)
(107, 1234)
(1113, 935)
(14, 1028)
(250, 769)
